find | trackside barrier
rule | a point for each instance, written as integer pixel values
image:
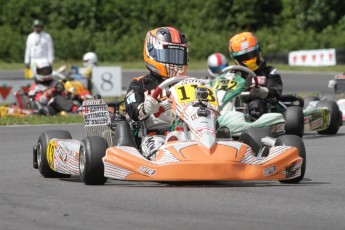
(107, 81)
(319, 57)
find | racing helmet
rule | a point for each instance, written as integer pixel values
(90, 59)
(166, 52)
(245, 50)
(216, 63)
(42, 70)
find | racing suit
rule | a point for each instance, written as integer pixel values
(156, 128)
(269, 77)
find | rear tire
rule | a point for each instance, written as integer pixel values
(91, 167)
(41, 152)
(294, 121)
(292, 140)
(335, 117)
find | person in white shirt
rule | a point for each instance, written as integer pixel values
(39, 44)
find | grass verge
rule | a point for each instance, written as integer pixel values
(36, 120)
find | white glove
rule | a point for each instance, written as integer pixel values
(331, 84)
(151, 105)
(165, 104)
(260, 92)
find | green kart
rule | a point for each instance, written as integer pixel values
(231, 88)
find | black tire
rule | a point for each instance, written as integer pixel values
(294, 121)
(42, 145)
(91, 168)
(309, 99)
(292, 140)
(253, 136)
(335, 115)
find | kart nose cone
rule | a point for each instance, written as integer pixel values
(207, 139)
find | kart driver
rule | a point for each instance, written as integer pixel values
(47, 93)
(166, 55)
(216, 62)
(89, 61)
(245, 50)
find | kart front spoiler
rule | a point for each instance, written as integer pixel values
(228, 161)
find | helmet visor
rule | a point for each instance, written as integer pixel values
(171, 54)
(217, 69)
(248, 54)
(45, 70)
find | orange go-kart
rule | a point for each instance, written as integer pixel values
(196, 149)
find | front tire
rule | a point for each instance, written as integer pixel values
(41, 152)
(335, 117)
(292, 140)
(294, 121)
(91, 167)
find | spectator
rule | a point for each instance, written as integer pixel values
(39, 44)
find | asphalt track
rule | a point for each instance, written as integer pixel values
(29, 201)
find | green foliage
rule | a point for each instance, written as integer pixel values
(115, 29)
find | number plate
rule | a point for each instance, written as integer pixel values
(186, 93)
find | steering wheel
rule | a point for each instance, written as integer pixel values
(242, 69)
(163, 85)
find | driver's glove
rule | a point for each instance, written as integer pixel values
(331, 84)
(165, 104)
(259, 92)
(148, 107)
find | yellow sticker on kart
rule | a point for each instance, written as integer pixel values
(226, 84)
(186, 93)
(50, 154)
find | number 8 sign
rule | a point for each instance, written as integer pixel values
(107, 81)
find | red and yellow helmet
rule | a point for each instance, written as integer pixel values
(245, 50)
(166, 52)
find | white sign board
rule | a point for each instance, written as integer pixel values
(107, 81)
(320, 57)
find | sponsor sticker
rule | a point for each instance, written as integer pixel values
(307, 119)
(206, 130)
(278, 128)
(131, 98)
(95, 113)
(270, 170)
(146, 170)
(316, 124)
(93, 102)
(244, 45)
